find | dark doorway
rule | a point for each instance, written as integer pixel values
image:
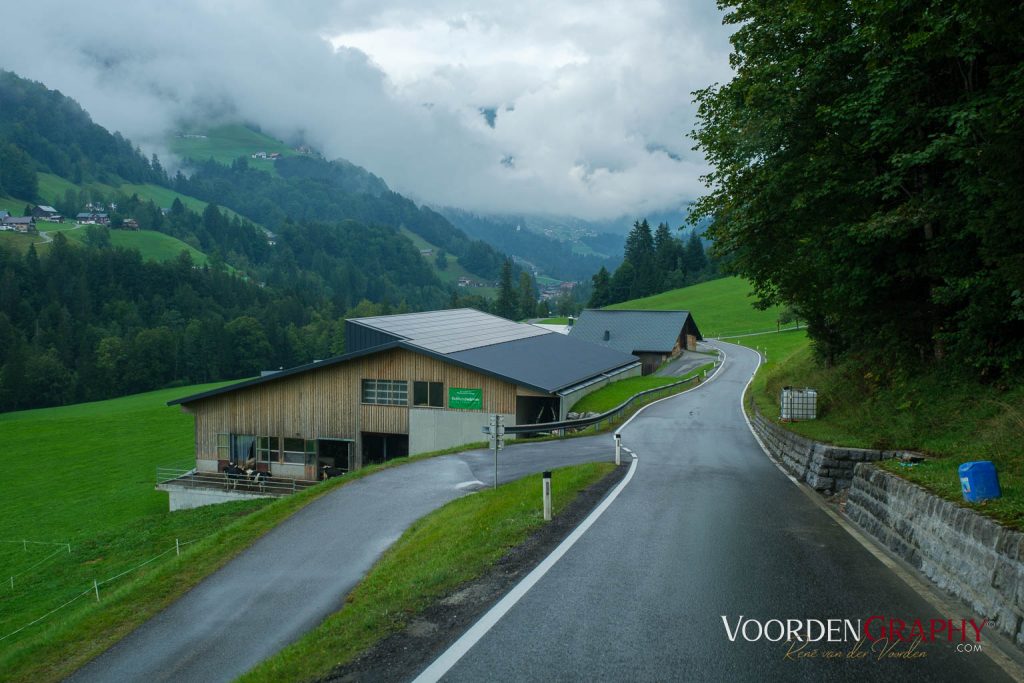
(534, 409)
(383, 447)
(334, 457)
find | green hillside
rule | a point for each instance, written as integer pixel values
(52, 188)
(719, 307)
(153, 245)
(99, 461)
(453, 272)
(224, 144)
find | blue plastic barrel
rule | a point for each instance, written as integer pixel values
(979, 481)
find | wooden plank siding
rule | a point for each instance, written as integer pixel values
(326, 403)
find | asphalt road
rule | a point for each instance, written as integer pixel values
(685, 362)
(299, 573)
(707, 527)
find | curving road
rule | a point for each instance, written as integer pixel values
(299, 573)
(706, 527)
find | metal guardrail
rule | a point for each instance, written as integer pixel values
(609, 416)
(222, 481)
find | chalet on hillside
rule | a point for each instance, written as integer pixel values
(92, 218)
(129, 224)
(47, 213)
(652, 336)
(23, 224)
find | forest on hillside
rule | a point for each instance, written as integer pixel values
(651, 264)
(84, 320)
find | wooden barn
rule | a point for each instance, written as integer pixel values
(407, 384)
(652, 336)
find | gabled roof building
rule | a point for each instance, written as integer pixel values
(651, 336)
(407, 384)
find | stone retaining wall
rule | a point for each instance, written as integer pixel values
(964, 553)
(823, 467)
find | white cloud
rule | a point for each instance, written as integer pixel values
(592, 99)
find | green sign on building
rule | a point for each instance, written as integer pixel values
(465, 399)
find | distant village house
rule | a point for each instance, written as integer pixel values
(47, 213)
(23, 224)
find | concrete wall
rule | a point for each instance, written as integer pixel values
(823, 467)
(964, 553)
(187, 497)
(568, 400)
(432, 429)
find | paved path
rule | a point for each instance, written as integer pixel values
(686, 361)
(707, 527)
(299, 573)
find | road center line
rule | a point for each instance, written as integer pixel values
(460, 647)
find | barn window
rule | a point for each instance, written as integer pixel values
(299, 451)
(224, 447)
(267, 448)
(295, 451)
(388, 392)
(428, 394)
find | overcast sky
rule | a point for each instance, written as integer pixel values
(591, 100)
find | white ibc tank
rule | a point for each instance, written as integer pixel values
(798, 404)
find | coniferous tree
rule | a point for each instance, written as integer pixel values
(506, 305)
(527, 296)
(602, 294)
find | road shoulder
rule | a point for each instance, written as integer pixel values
(404, 654)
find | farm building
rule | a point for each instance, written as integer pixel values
(651, 336)
(23, 224)
(407, 384)
(47, 213)
(92, 218)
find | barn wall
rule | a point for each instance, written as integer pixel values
(326, 403)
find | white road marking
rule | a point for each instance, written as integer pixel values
(715, 374)
(470, 484)
(460, 647)
(1000, 652)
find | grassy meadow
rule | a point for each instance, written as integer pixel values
(719, 307)
(224, 144)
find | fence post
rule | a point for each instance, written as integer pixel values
(12, 583)
(25, 543)
(96, 587)
(177, 547)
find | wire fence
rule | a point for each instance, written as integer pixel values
(754, 333)
(94, 589)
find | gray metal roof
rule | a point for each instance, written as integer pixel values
(451, 331)
(548, 361)
(631, 331)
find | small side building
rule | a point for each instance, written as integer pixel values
(407, 384)
(652, 336)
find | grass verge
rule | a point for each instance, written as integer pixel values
(943, 413)
(615, 393)
(438, 553)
